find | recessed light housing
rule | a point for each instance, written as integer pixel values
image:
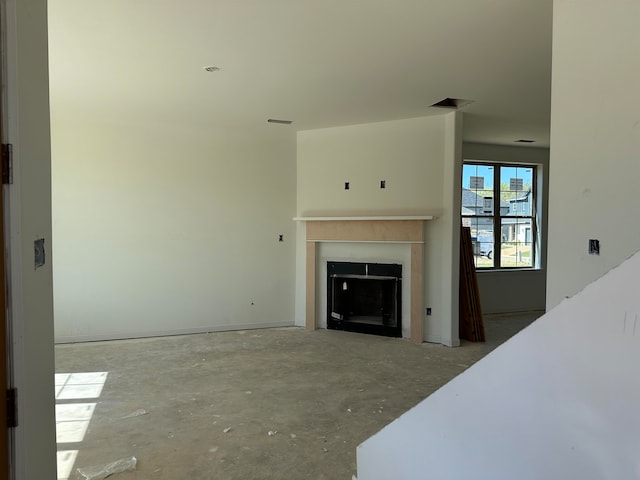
(452, 103)
(284, 122)
(211, 68)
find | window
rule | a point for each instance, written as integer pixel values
(499, 205)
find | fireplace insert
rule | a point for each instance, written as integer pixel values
(365, 297)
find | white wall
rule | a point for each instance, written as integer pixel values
(595, 140)
(557, 401)
(512, 291)
(408, 154)
(29, 198)
(523, 290)
(418, 158)
(170, 229)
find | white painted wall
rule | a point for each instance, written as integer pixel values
(408, 154)
(29, 201)
(595, 140)
(516, 290)
(170, 229)
(557, 401)
(448, 252)
(419, 159)
(512, 291)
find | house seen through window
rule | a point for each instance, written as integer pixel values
(499, 205)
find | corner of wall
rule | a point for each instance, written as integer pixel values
(451, 227)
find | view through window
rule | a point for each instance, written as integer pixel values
(499, 205)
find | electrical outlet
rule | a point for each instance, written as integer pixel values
(428, 310)
(594, 247)
(383, 184)
(346, 185)
(38, 253)
(281, 238)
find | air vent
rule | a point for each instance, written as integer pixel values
(522, 140)
(452, 103)
(284, 122)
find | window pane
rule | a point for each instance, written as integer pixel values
(516, 190)
(517, 241)
(482, 241)
(477, 190)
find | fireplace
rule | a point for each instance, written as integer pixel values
(405, 232)
(365, 297)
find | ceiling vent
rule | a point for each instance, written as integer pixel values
(452, 103)
(284, 122)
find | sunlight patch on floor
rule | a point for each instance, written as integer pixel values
(73, 417)
(66, 460)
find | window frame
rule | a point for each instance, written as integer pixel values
(497, 218)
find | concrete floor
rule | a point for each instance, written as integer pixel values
(210, 400)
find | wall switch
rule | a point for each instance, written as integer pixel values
(428, 310)
(594, 247)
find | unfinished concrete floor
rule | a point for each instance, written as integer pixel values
(212, 399)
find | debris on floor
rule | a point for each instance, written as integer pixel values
(156, 374)
(272, 432)
(226, 430)
(103, 471)
(137, 413)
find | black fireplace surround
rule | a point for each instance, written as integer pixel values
(365, 298)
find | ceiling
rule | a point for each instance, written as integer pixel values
(320, 63)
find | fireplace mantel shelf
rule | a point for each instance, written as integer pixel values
(351, 219)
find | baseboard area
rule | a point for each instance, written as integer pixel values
(168, 333)
(499, 313)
